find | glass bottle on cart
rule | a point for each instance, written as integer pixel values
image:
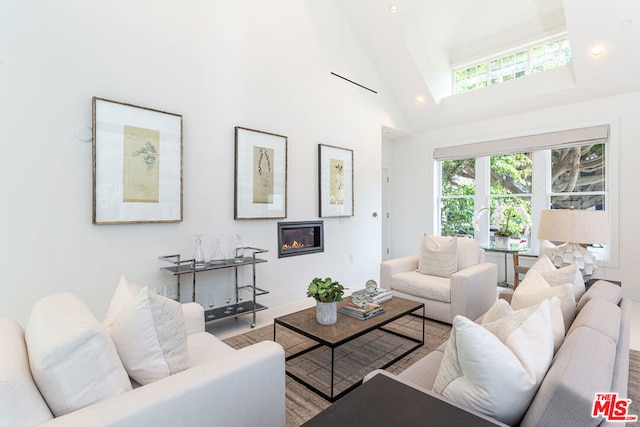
(198, 256)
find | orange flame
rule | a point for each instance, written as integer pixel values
(294, 245)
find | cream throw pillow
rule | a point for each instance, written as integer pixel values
(534, 288)
(559, 276)
(438, 255)
(543, 264)
(151, 337)
(123, 296)
(498, 378)
(73, 361)
(502, 309)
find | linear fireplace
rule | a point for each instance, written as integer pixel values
(300, 238)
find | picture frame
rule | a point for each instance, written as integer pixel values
(137, 164)
(260, 175)
(335, 169)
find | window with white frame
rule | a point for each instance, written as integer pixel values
(533, 59)
(568, 169)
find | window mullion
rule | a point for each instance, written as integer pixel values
(483, 185)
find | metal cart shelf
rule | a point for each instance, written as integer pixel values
(180, 267)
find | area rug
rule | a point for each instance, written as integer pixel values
(302, 404)
(353, 360)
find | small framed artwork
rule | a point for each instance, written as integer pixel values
(137, 164)
(261, 175)
(336, 181)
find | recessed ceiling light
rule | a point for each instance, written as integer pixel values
(393, 8)
(420, 100)
(626, 24)
(597, 51)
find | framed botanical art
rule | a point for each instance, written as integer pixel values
(137, 164)
(260, 175)
(336, 181)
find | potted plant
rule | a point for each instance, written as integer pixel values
(510, 221)
(326, 292)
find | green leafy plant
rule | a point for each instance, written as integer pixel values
(325, 290)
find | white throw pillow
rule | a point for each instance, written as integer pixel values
(534, 288)
(501, 309)
(20, 401)
(543, 263)
(497, 378)
(570, 272)
(438, 255)
(73, 361)
(498, 310)
(123, 296)
(151, 337)
(559, 276)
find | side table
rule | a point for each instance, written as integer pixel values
(505, 252)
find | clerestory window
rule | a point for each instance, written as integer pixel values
(534, 59)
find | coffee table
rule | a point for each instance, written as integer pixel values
(345, 330)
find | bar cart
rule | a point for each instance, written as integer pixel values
(181, 267)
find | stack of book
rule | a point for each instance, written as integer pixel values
(379, 297)
(362, 313)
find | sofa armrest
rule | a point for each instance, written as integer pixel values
(474, 290)
(193, 317)
(203, 395)
(397, 265)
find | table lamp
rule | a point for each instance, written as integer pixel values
(575, 227)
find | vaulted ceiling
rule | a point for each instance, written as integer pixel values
(415, 48)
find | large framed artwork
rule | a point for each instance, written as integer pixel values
(137, 164)
(260, 175)
(336, 181)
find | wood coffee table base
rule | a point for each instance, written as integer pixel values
(345, 331)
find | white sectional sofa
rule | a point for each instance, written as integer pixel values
(220, 386)
(593, 358)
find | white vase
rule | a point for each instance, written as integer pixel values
(326, 313)
(501, 242)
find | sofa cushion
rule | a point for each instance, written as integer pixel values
(497, 378)
(438, 255)
(534, 288)
(602, 289)
(151, 337)
(423, 286)
(502, 309)
(468, 252)
(559, 276)
(20, 401)
(125, 293)
(73, 361)
(583, 367)
(599, 315)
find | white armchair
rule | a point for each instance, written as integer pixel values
(469, 291)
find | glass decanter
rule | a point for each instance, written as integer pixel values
(238, 255)
(198, 255)
(218, 256)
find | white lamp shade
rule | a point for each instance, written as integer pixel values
(573, 225)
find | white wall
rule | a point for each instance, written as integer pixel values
(261, 65)
(413, 164)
